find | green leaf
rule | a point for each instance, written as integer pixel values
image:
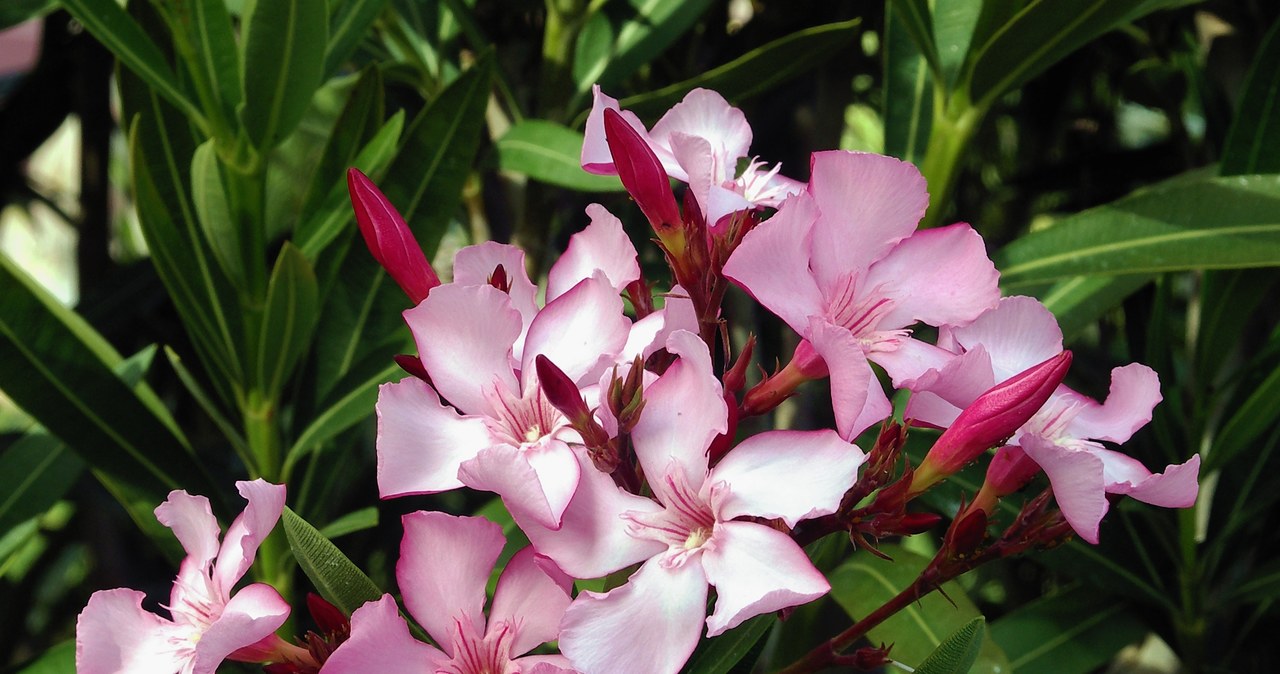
(918, 22)
(908, 91)
(284, 49)
(15, 12)
(356, 125)
(293, 304)
(953, 25)
(1035, 38)
(1229, 301)
(1074, 632)
(58, 370)
(350, 25)
(359, 520)
(217, 60)
(650, 27)
(352, 408)
(35, 472)
(1253, 143)
(865, 582)
(1218, 223)
(221, 231)
(1080, 301)
(334, 215)
(958, 652)
(60, 659)
(758, 70)
(335, 577)
(733, 651)
(1247, 423)
(107, 22)
(229, 430)
(425, 180)
(550, 152)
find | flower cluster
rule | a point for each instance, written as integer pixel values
(611, 429)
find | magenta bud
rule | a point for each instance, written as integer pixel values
(1009, 471)
(413, 365)
(991, 419)
(328, 617)
(560, 391)
(389, 238)
(641, 172)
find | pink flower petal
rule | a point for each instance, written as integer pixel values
(694, 155)
(721, 201)
(1135, 391)
(938, 396)
(650, 625)
(684, 411)
(580, 331)
(532, 595)
(254, 613)
(650, 333)
(755, 570)
(380, 642)
(705, 114)
(114, 635)
(868, 203)
(545, 664)
(1018, 333)
(517, 475)
(856, 396)
(603, 245)
(473, 265)
(592, 540)
(772, 263)
(192, 521)
(465, 336)
(1077, 481)
(789, 475)
(421, 443)
(240, 543)
(444, 566)
(911, 360)
(1176, 487)
(939, 276)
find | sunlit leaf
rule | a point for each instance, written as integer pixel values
(335, 577)
(550, 153)
(908, 91)
(284, 48)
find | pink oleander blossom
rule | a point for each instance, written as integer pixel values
(843, 265)
(699, 142)
(114, 635)
(478, 344)
(689, 535)
(1065, 437)
(445, 562)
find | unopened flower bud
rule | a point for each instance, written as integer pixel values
(965, 535)
(413, 365)
(870, 658)
(736, 378)
(991, 419)
(626, 397)
(389, 238)
(918, 523)
(329, 618)
(644, 177)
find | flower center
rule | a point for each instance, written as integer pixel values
(684, 525)
(522, 420)
(862, 314)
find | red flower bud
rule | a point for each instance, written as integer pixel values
(641, 173)
(328, 617)
(560, 391)
(389, 238)
(991, 419)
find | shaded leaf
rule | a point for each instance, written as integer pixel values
(217, 58)
(1224, 223)
(335, 577)
(957, 653)
(15, 12)
(1079, 301)
(293, 304)
(60, 659)
(649, 28)
(209, 196)
(908, 92)
(35, 472)
(550, 152)
(864, 582)
(953, 26)
(357, 124)
(284, 47)
(358, 520)
(918, 22)
(1073, 632)
(734, 651)
(353, 407)
(757, 71)
(1253, 142)
(1247, 423)
(350, 24)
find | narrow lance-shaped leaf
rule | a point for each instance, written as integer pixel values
(290, 314)
(284, 49)
(550, 153)
(756, 71)
(908, 91)
(1218, 223)
(425, 180)
(223, 233)
(113, 27)
(957, 653)
(350, 25)
(1073, 632)
(357, 124)
(35, 472)
(49, 368)
(336, 578)
(735, 650)
(1253, 143)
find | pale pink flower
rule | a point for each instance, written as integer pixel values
(689, 536)
(699, 142)
(1065, 436)
(478, 344)
(114, 635)
(843, 265)
(445, 562)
